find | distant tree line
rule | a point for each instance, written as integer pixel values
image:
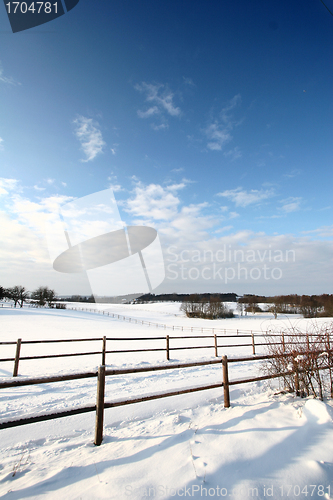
(18, 294)
(78, 298)
(196, 306)
(310, 306)
(181, 297)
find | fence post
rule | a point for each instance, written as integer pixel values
(283, 343)
(100, 406)
(17, 357)
(253, 344)
(103, 350)
(215, 345)
(296, 376)
(167, 348)
(225, 381)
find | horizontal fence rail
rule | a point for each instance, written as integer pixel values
(169, 346)
(101, 404)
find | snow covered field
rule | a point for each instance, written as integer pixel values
(267, 445)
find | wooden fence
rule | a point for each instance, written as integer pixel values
(170, 343)
(103, 372)
(252, 343)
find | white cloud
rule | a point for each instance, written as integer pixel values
(90, 137)
(176, 187)
(161, 126)
(190, 224)
(233, 215)
(247, 262)
(31, 213)
(1, 144)
(189, 228)
(7, 185)
(292, 204)
(114, 184)
(160, 206)
(217, 136)
(153, 202)
(150, 112)
(223, 229)
(218, 130)
(161, 100)
(243, 198)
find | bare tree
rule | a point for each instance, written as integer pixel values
(18, 294)
(44, 295)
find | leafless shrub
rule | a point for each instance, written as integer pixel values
(304, 359)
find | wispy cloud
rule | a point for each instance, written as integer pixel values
(231, 105)
(114, 185)
(7, 80)
(218, 130)
(324, 232)
(188, 81)
(292, 204)
(114, 149)
(90, 137)
(293, 173)
(149, 112)
(160, 101)
(1, 144)
(233, 154)
(161, 126)
(243, 198)
(217, 135)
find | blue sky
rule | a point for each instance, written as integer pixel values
(211, 121)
